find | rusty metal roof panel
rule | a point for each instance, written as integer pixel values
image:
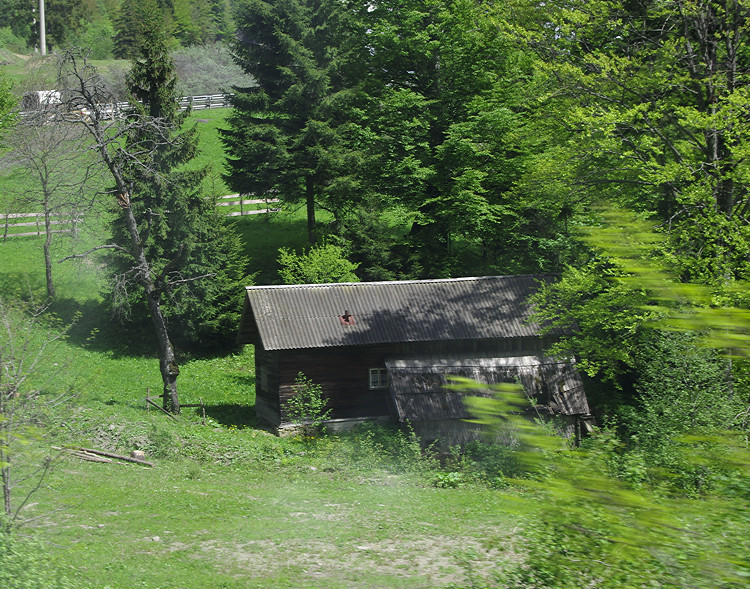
(308, 315)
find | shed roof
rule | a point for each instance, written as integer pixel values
(419, 393)
(310, 315)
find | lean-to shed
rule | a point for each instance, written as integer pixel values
(385, 348)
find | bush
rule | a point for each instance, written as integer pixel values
(388, 447)
(307, 405)
(494, 461)
(681, 388)
(321, 264)
(25, 565)
(10, 42)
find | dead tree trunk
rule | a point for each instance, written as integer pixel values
(118, 156)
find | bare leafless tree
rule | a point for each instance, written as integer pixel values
(59, 171)
(126, 145)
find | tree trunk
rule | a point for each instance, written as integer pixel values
(310, 197)
(167, 360)
(6, 485)
(47, 258)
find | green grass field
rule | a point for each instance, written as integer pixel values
(228, 504)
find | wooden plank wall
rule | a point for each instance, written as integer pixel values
(267, 406)
(343, 373)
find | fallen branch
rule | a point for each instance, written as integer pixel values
(90, 457)
(160, 408)
(117, 456)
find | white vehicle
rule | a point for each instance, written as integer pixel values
(41, 100)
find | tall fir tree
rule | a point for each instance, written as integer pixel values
(283, 133)
(196, 261)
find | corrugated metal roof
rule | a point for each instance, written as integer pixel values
(307, 315)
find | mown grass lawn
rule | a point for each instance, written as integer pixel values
(280, 523)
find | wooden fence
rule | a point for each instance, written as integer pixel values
(204, 102)
(234, 200)
(12, 221)
(120, 109)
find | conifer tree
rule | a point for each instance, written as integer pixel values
(283, 133)
(196, 265)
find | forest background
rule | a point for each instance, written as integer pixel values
(437, 139)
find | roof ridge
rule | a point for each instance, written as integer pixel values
(393, 282)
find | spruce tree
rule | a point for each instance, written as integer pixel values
(283, 134)
(196, 262)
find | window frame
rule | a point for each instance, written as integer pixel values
(378, 379)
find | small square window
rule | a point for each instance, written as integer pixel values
(378, 378)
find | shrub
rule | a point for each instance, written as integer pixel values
(321, 264)
(307, 405)
(25, 565)
(98, 37)
(681, 388)
(11, 42)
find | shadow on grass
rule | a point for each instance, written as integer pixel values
(263, 235)
(92, 327)
(23, 287)
(232, 414)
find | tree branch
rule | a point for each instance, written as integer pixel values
(93, 249)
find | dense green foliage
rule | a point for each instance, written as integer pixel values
(109, 27)
(197, 259)
(7, 104)
(26, 564)
(318, 265)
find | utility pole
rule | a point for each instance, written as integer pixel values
(42, 30)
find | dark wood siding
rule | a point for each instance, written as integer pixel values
(343, 373)
(267, 383)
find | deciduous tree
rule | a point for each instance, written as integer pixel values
(60, 175)
(655, 98)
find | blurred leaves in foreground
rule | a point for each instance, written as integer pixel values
(591, 528)
(594, 522)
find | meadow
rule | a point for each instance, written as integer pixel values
(229, 504)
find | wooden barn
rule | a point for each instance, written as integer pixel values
(384, 349)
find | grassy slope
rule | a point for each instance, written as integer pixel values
(232, 506)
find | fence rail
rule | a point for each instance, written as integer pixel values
(239, 200)
(11, 221)
(120, 109)
(16, 220)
